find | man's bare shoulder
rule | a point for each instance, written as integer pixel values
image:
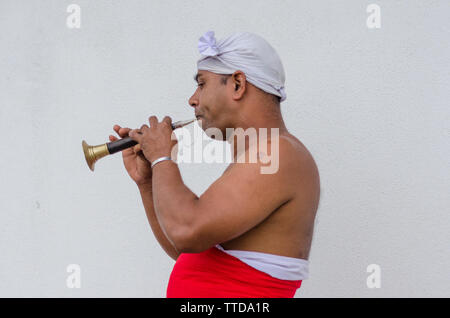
(295, 152)
(299, 162)
(294, 162)
(285, 147)
(295, 144)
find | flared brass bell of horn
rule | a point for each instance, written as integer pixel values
(94, 153)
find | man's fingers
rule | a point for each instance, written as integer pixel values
(122, 132)
(135, 134)
(167, 120)
(137, 148)
(153, 120)
(141, 155)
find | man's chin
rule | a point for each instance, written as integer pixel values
(211, 132)
(201, 123)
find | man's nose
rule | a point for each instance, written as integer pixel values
(193, 101)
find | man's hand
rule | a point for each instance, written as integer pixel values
(155, 141)
(135, 163)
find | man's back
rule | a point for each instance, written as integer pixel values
(288, 230)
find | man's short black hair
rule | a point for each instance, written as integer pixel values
(224, 78)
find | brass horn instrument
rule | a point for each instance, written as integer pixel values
(94, 153)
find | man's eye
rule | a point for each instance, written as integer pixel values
(200, 85)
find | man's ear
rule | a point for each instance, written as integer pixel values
(239, 82)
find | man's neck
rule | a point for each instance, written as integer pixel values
(261, 125)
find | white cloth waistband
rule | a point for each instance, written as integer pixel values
(281, 267)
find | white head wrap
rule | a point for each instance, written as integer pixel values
(247, 52)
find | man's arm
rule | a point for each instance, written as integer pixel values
(147, 200)
(238, 201)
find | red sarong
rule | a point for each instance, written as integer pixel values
(216, 274)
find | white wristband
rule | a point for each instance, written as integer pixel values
(159, 160)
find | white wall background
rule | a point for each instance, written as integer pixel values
(372, 106)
